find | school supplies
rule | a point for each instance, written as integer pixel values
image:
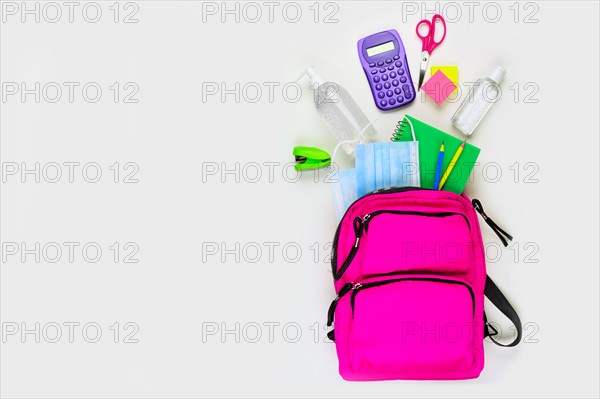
(450, 71)
(453, 162)
(439, 87)
(381, 165)
(340, 112)
(383, 59)
(429, 43)
(310, 158)
(394, 295)
(438, 168)
(484, 93)
(429, 139)
(343, 190)
(378, 165)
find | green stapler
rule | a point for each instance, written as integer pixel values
(311, 158)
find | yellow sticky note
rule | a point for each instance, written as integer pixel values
(450, 71)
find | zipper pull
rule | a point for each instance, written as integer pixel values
(355, 289)
(359, 226)
(331, 312)
(365, 220)
(358, 232)
(497, 229)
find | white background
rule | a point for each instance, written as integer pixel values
(547, 117)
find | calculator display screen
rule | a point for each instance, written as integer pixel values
(382, 48)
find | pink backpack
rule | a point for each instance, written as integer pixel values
(409, 270)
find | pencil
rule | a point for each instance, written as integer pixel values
(452, 163)
(438, 169)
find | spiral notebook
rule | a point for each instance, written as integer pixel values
(430, 139)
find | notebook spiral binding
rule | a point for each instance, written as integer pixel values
(399, 130)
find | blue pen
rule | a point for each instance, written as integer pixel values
(438, 170)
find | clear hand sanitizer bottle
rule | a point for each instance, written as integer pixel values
(341, 113)
(485, 92)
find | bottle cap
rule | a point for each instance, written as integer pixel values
(497, 74)
(315, 76)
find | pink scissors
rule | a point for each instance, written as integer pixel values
(429, 43)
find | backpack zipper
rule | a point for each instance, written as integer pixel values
(361, 225)
(331, 312)
(391, 190)
(502, 235)
(359, 228)
(368, 217)
(356, 288)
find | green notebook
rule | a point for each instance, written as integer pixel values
(430, 140)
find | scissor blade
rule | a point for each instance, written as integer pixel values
(423, 68)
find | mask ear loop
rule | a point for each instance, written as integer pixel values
(412, 128)
(361, 134)
(337, 147)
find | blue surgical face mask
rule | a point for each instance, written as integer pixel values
(383, 165)
(343, 189)
(378, 165)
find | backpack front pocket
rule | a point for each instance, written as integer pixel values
(409, 327)
(390, 241)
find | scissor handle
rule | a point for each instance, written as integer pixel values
(424, 38)
(429, 43)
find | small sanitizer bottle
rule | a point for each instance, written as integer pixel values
(341, 113)
(485, 92)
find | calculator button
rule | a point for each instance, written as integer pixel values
(383, 103)
(398, 64)
(380, 94)
(395, 82)
(397, 90)
(406, 87)
(373, 71)
(393, 75)
(378, 86)
(387, 85)
(382, 70)
(384, 77)
(376, 79)
(400, 71)
(388, 61)
(372, 64)
(407, 95)
(389, 93)
(391, 68)
(403, 79)
(399, 99)
(392, 101)
(380, 63)
(396, 57)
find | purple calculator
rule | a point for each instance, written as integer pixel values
(383, 58)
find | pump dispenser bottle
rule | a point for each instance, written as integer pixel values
(339, 110)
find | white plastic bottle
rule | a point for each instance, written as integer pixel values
(485, 92)
(339, 110)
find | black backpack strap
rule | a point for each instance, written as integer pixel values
(493, 293)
